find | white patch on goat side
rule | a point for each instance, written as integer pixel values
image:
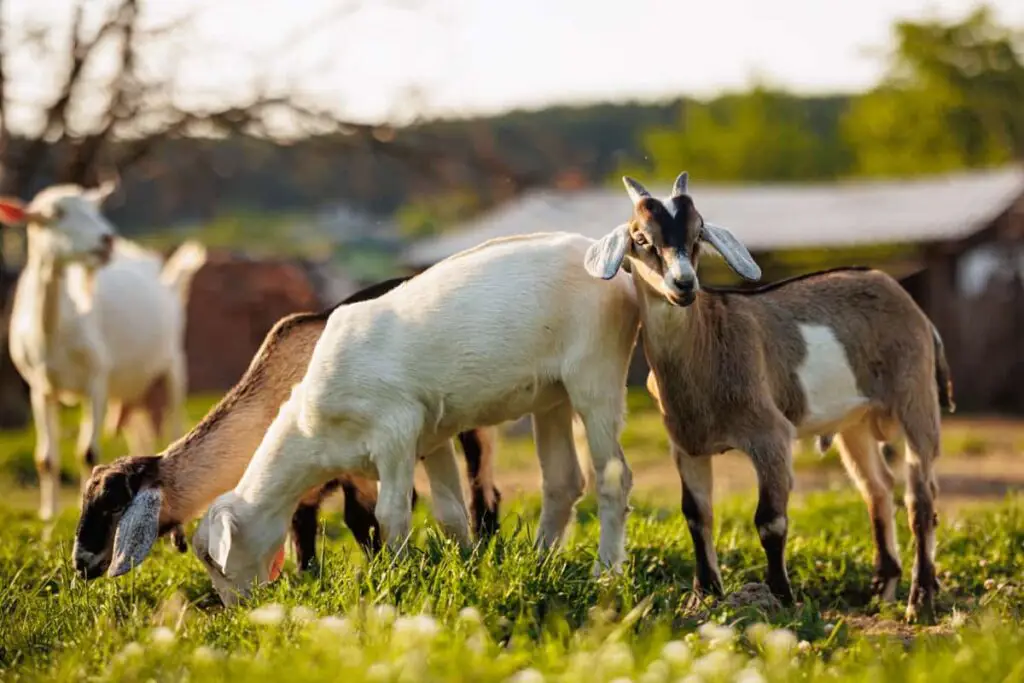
(827, 380)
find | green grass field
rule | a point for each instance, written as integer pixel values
(504, 612)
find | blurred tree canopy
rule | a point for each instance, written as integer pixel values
(952, 98)
(763, 134)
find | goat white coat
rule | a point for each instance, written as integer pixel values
(513, 326)
(81, 332)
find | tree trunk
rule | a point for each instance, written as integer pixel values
(14, 403)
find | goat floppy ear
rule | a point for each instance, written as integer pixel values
(604, 257)
(137, 531)
(221, 531)
(732, 250)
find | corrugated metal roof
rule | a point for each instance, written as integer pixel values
(767, 217)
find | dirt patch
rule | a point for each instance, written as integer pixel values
(872, 626)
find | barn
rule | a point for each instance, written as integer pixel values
(954, 241)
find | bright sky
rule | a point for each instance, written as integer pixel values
(465, 56)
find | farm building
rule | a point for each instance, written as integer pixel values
(234, 302)
(955, 242)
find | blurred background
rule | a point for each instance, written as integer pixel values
(318, 146)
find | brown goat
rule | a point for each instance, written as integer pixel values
(845, 351)
(175, 486)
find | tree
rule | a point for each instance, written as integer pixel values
(118, 96)
(953, 97)
(762, 135)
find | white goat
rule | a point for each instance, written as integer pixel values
(93, 318)
(844, 351)
(513, 326)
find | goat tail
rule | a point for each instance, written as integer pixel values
(942, 375)
(181, 267)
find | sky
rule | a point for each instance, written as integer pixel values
(389, 59)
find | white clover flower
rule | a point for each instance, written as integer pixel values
(384, 614)
(758, 632)
(302, 614)
(829, 627)
(470, 615)
(716, 634)
(804, 646)
(657, 671)
(749, 675)
(268, 615)
(676, 653)
(780, 641)
(337, 625)
(132, 649)
(161, 636)
(527, 676)
(421, 626)
(205, 654)
(714, 664)
(616, 659)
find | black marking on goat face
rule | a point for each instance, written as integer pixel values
(665, 236)
(108, 493)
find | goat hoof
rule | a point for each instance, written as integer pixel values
(700, 599)
(920, 607)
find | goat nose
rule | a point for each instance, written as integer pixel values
(87, 569)
(684, 286)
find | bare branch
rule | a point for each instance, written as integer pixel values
(121, 107)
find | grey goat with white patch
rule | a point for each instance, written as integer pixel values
(845, 351)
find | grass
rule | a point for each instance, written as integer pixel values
(163, 621)
(504, 612)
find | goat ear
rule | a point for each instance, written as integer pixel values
(636, 191)
(604, 257)
(732, 250)
(137, 531)
(682, 181)
(12, 211)
(221, 531)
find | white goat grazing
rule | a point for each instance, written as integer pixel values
(513, 326)
(93, 318)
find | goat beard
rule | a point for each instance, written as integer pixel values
(277, 564)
